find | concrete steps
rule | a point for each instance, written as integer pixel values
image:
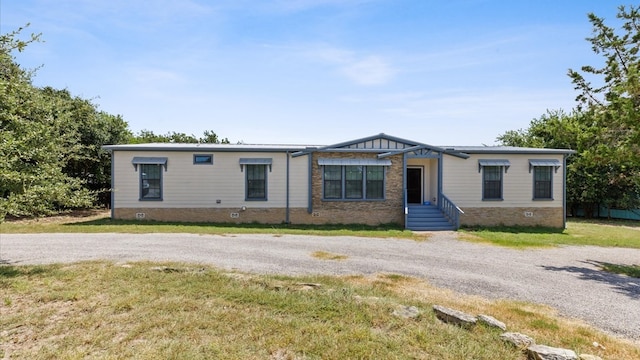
(427, 218)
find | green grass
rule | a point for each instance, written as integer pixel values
(183, 311)
(629, 270)
(578, 232)
(104, 224)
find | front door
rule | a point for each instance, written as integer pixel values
(414, 185)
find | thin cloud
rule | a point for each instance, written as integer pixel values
(361, 69)
(290, 6)
(371, 70)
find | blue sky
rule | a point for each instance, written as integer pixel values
(456, 72)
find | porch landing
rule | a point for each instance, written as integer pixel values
(427, 218)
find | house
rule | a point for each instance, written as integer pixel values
(374, 180)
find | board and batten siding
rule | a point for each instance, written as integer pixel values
(462, 182)
(185, 185)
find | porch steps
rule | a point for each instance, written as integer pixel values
(427, 218)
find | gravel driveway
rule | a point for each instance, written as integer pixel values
(565, 278)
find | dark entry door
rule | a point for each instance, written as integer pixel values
(414, 185)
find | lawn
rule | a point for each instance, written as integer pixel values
(578, 232)
(182, 311)
(99, 222)
(141, 310)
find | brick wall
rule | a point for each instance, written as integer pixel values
(521, 216)
(389, 210)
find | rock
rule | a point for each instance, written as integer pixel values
(407, 312)
(492, 322)
(518, 340)
(164, 269)
(455, 317)
(311, 285)
(543, 352)
(589, 357)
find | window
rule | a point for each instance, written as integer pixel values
(150, 181)
(542, 176)
(492, 183)
(332, 182)
(353, 182)
(203, 159)
(150, 169)
(492, 170)
(256, 183)
(375, 182)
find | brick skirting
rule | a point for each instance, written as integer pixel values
(520, 216)
(367, 215)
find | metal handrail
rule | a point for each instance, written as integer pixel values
(406, 209)
(451, 210)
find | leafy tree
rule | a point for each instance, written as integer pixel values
(605, 127)
(92, 128)
(34, 143)
(147, 136)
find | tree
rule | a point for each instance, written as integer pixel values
(147, 136)
(605, 127)
(93, 129)
(34, 143)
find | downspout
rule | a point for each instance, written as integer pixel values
(440, 158)
(286, 220)
(404, 188)
(310, 195)
(111, 191)
(564, 191)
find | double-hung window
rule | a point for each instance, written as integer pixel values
(255, 178)
(150, 178)
(256, 182)
(543, 178)
(332, 182)
(353, 182)
(492, 178)
(542, 182)
(350, 179)
(375, 182)
(492, 183)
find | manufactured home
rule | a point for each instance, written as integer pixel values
(374, 180)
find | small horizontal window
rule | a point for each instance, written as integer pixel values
(202, 159)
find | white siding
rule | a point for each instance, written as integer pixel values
(186, 185)
(462, 183)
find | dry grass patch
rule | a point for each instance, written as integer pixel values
(323, 255)
(179, 311)
(538, 321)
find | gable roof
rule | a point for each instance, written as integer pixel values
(383, 144)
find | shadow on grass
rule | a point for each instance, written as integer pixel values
(625, 285)
(258, 226)
(10, 271)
